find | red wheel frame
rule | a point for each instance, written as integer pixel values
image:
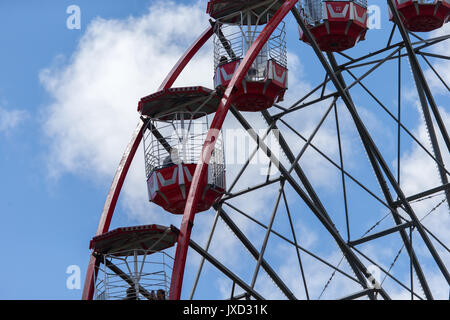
(202, 165)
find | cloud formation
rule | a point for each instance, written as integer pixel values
(10, 119)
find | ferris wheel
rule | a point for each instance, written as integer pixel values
(181, 129)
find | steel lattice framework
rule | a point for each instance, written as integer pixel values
(335, 91)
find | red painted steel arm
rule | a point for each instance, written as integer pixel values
(110, 205)
(188, 55)
(122, 171)
(202, 165)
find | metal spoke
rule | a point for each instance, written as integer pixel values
(202, 261)
(254, 252)
(440, 164)
(337, 166)
(266, 238)
(304, 105)
(391, 35)
(434, 55)
(225, 270)
(387, 273)
(422, 87)
(434, 70)
(360, 270)
(311, 137)
(341, 159)
(296, 245)
(374, 154)
(292, 243)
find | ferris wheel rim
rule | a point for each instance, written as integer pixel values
(170, 79)
(127, 158)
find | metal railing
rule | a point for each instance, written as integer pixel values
(232, 41)
(181, 141)
(216, 167)
(143, 275)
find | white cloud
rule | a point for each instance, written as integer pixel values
(10, 119)
(95, 95)
(117, 62)
(415, 180)
(419, 173)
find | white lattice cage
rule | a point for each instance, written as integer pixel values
(134, 275)
(232, 41)
(180, 139)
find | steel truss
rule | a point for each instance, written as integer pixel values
(334, 74)
(393, 199)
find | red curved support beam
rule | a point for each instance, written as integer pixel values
(188, 55)
(110, 205)
(127, 158)
(202, 165)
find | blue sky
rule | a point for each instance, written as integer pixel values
(47, 224)
(50, 203)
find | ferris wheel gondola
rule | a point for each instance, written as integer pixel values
(185, 157)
